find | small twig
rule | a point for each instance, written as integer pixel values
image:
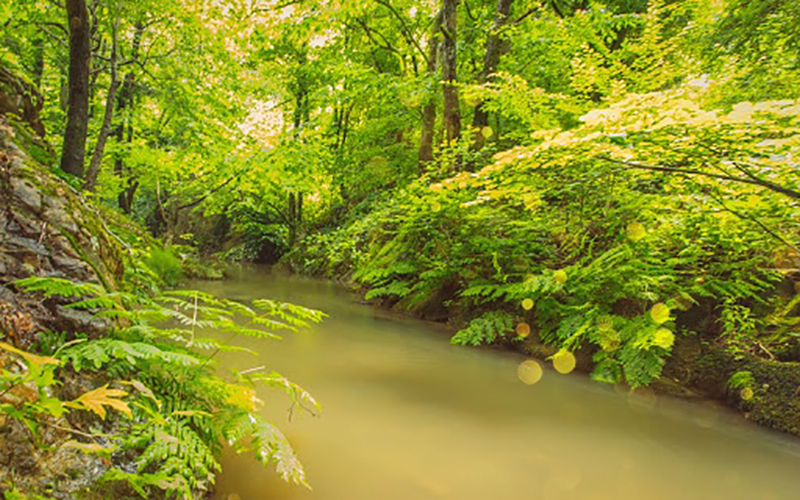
(41, 235)
(74, 431)
(11, 388)
(678, 170)
(251, 370)
(771, 356)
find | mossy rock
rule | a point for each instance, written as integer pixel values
(775, 398)
(49, 229)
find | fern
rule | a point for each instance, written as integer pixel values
(141, 483)
(96, 354)
(182, 410)
(175, 450)
(484, 330)
(249, 433)
(393, 289)
(59, 287)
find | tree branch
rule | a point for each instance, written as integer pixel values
(404, 28)
(753, 180)
(203, 198)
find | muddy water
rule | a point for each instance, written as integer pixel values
(407, 416)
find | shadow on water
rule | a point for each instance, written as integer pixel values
(407, 416)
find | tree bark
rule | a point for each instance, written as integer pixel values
(452, 113)
(125, 101)
(38, 61)
(429, 110)
(105, 130)
(74, 150)
(495, 48)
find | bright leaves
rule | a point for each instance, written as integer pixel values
(96, 401)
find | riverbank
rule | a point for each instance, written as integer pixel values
(701, 366)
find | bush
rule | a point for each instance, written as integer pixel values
(167, 266)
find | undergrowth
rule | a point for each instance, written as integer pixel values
(157, 368)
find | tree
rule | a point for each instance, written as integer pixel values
(105, 129)
(74, 149)
(494, 49)
(452, 111)
(429, 109)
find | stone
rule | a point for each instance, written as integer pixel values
(71, 266)
(19, 245)
(27, 194)
(76, 320)
(60, 218)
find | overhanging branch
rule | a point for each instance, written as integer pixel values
(751, 179)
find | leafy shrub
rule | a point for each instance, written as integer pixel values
(166, 265)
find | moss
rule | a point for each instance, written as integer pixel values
(776, 386)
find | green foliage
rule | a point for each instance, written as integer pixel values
(638, 155)
(609, 229)
(15, 494)
(741, 380)
(485, 329)
(24, 390)
(181, 410)
(166, 265)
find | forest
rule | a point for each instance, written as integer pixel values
(610, 187)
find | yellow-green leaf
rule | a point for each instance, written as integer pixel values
(96, 401)
(636, 231)
(89, 448)
(30, 358)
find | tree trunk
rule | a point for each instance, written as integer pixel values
(105, 130)
(125, 102)
(38, 62)
(495, 47)
(429, 111)
(295, 216)
(452, 113)
(74, 150)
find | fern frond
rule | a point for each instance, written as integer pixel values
(485, 329)
(59, 287)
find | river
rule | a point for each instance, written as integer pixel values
(407, 416)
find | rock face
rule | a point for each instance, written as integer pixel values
(47, 229)
(19, 98)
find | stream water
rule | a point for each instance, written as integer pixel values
(407, 416)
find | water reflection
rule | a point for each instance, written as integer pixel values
(406, 416)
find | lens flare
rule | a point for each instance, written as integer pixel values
(530, 371)
(564, 362)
